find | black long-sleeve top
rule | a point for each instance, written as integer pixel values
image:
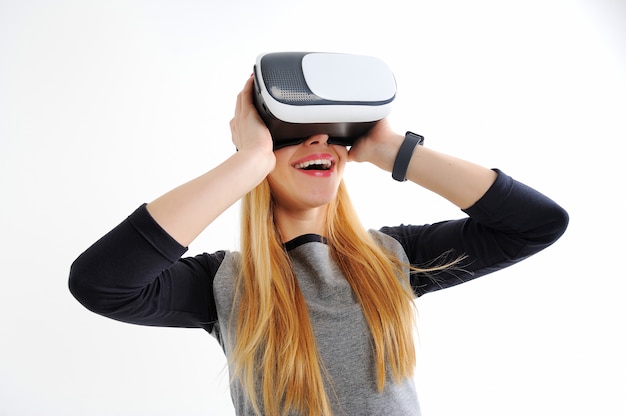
(135, 272)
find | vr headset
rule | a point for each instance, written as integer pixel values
(299, 94)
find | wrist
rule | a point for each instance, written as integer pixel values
(260, 159)
(384, 153)
(404, 155)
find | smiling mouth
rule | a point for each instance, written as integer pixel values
(316, 164)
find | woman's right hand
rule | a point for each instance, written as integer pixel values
(247, 128)
(188, 209)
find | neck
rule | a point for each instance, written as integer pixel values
(292, 224)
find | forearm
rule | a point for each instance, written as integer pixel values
(459, 181)
(187, 210)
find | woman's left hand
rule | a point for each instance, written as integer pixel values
(459, 181)
(379, 146)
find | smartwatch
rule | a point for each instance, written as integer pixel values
(401, 164)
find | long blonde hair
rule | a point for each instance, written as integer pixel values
(273, 326)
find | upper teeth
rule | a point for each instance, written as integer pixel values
(323, 162)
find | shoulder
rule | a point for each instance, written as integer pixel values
(229, 268)
(389, 243)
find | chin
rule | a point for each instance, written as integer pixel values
(321, 200)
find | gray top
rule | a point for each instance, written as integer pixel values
(340, 328)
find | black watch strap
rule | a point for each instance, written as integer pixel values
(401, 164)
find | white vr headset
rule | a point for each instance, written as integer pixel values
(299, 94)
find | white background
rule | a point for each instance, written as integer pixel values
(107, 104)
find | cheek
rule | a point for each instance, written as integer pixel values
(281, 168)
(273, 180)
(277, 185)
(342, 153)
(283, 154)
(343, 158)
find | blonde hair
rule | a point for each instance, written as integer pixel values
(273, 326)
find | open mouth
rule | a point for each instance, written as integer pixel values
(316, 164)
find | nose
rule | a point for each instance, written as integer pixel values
(317, 139)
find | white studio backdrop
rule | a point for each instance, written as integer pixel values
(108, 104)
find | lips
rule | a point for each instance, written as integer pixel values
(319, 165)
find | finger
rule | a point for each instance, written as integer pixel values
(353, 153)
(242, 96)
(246, 93)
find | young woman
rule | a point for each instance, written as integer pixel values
(314, 312)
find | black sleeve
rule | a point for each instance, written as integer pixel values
(508, 224)
(135, 274)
